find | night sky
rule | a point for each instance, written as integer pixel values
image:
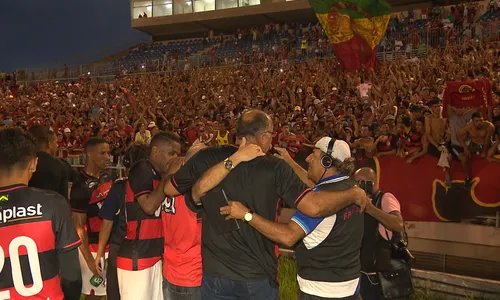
(41, 34)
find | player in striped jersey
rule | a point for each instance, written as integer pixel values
(38, 243)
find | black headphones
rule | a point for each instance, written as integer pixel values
(327, 160)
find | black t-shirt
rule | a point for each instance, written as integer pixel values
(72, 173)
(51, 174)
(243, 254)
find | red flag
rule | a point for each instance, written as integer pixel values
(466, 94)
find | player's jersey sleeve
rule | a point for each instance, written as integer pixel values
(79, 197)
(111, 205)
(141, 178)
(62, 225)
(308, 224)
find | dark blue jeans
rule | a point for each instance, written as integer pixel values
(174, 292)
(216, 288)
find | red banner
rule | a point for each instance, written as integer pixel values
(423, 195)
(421, 190)
(465, 94)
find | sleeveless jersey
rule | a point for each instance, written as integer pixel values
(222, 140)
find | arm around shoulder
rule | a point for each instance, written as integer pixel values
(324, 204)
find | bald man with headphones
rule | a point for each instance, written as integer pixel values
(327, 249)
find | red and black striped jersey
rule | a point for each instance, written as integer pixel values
(35, 226)
(143, 243)
(87, 196)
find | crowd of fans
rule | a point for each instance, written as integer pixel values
(377, 112)
(307, 101)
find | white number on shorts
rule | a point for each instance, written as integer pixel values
(17, 276)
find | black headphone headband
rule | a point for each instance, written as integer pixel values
(329, 150)
(327, 160)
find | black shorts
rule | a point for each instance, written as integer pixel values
(456, 151)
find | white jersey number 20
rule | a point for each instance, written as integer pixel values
(15, 264)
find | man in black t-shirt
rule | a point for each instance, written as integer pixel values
(38, 243)
(51, 173)
(244, 262)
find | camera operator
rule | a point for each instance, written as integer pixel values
(383, 216)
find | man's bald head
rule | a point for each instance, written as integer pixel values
(366, 174)
(252, 123)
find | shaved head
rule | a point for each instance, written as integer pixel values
(366, 174)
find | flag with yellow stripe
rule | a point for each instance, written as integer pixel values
(354, 28)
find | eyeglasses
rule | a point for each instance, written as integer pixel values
(273, 134)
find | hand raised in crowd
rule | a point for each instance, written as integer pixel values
(235, 210)
(246, 152)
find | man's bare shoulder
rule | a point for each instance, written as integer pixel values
(489, 125)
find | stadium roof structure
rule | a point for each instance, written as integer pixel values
(228, 20)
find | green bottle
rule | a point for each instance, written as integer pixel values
(96, 281)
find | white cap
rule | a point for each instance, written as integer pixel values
(340, 149)
(151, 124)
(67, 130)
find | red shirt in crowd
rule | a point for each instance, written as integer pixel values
(182, 248)
(191, 135)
